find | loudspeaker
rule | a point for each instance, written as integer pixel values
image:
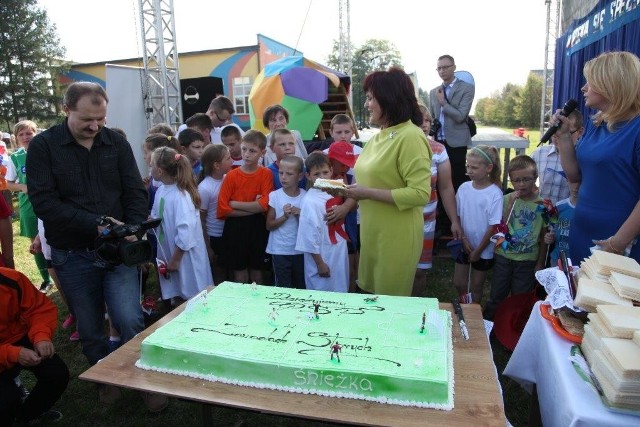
(196, 94)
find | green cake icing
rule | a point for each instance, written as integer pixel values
(233, 334)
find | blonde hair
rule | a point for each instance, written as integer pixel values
(426, 114)
(490, 156)
(24, 124)
(178, 167)
(615, 76)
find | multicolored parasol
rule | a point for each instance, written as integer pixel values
(299, 85)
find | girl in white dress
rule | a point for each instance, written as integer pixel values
(181, 244)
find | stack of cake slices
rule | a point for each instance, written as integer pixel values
(626, 286)
(607, 278)
(611, 345)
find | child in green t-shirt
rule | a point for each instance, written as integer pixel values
(16, 177)
(524, 250)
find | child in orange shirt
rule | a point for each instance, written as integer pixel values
(243, 203)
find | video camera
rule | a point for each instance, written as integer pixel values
(112, 247)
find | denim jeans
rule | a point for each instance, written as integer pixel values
(87, 288)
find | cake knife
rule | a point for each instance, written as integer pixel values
(463, 326)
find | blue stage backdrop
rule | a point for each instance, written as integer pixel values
(612, 25)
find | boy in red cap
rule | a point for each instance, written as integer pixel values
(28, 320)
(342, 158)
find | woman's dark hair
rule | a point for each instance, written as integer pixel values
(395, 94)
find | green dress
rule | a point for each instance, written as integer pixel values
(28, 219)
(399, 159)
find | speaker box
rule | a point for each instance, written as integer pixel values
(196, 94)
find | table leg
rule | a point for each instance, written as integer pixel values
(505, 174)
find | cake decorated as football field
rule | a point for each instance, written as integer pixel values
(394, 350)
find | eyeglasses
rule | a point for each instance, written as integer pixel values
(444, 67)
(524, 180)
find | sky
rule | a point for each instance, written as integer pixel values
(497, 41)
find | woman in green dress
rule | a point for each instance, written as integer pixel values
(393, 185)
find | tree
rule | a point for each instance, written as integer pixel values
(30, 61)
(531, 101)
(373, 55)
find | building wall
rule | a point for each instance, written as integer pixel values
(228, 63)
(574, 9)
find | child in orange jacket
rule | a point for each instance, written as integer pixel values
(28, 320)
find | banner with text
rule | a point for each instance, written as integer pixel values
(606, 17)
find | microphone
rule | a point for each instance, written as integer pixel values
(566, 110)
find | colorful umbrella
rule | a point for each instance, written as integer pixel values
(299, 85)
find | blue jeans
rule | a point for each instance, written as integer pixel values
(87, 288)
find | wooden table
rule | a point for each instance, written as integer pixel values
(477, 400)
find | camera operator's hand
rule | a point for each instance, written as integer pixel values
(101, 228)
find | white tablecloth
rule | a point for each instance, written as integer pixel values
(542, 357)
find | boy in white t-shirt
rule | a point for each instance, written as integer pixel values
(282, 223)
(326, 263)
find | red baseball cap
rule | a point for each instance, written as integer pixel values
(342, 151)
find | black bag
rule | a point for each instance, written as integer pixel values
(473, 129)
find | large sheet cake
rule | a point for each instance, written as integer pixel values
(270, 337)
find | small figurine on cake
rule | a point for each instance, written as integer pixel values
(335, 350)
(273, 315)
(371, 300)
(316, 308)
(424, 319)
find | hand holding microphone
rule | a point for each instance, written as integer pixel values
(566, 110)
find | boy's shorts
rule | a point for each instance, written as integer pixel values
(480, 265)
(218, 248)
(244, 242)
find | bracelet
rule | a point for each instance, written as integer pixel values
(611, 246)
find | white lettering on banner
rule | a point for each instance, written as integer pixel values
(620, 7)
(578, 34)
(598, 19)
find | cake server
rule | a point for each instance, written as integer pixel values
(463, 326)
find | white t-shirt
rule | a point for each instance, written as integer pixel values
(209, 189)
(478, 209)
(282, 240)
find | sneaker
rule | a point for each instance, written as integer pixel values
(154, 402)
(108, 394)
(70, 320)
(44, 287)
(74, 336)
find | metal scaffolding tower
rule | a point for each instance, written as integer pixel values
(344, 43)
(162, 81)
(553, 24)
